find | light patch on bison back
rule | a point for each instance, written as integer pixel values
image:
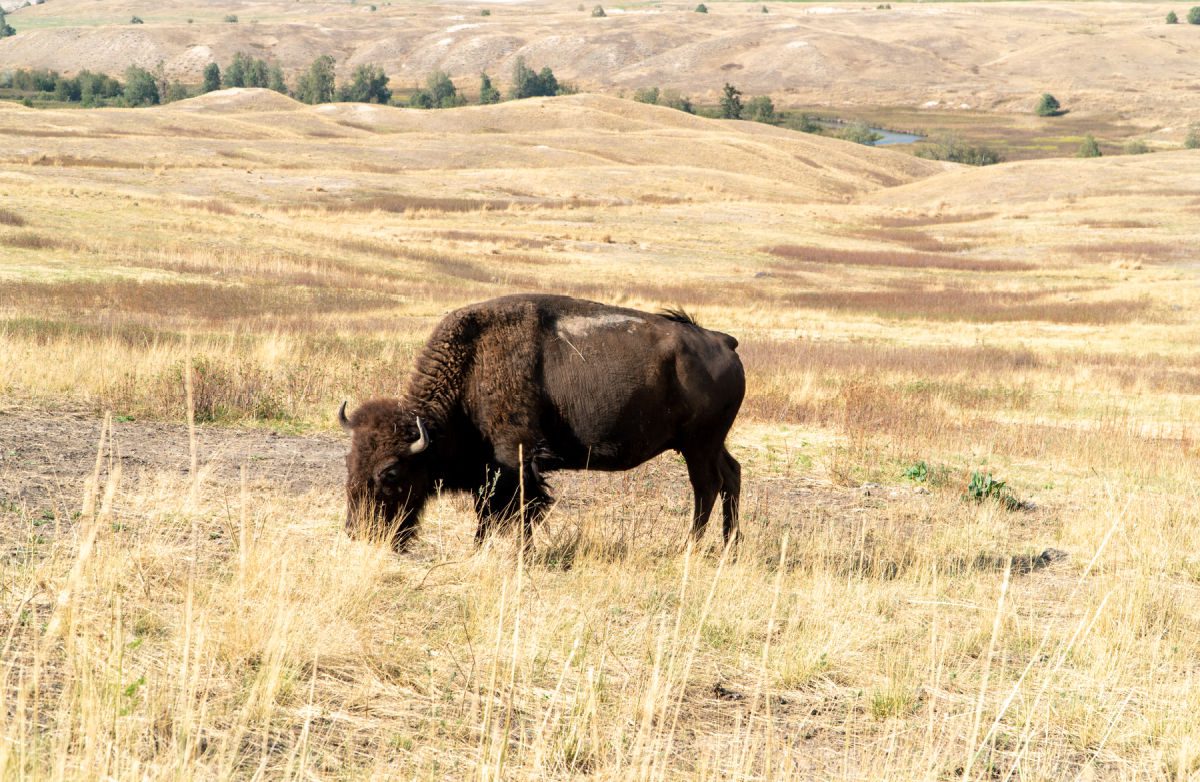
(582, 325)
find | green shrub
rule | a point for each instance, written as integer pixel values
(1193, 16)
(136, 20)
(951, 148)
(674, 99)
(598, 12)
(1047, 106)
(485, 12)
(1088, 147)
(1172, 18)
(761, 109)
(1192, 139)
(231, 19)
(646, 95)
(702, 9)
(6, 29)
(275, 80)
(859, 133)
(1136, 147)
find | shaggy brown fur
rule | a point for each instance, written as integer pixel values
(513, 388)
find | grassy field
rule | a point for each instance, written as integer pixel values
(184, 605)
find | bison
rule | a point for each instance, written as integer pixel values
(511, 389)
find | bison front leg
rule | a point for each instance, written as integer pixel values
(498, 503)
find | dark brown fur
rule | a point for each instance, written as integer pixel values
(527, 384)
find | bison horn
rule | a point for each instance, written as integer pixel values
(422, 441)
(342, 419)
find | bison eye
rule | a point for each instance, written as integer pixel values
(389, 475)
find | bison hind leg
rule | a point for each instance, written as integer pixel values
(731, 495)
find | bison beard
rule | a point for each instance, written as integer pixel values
(508, 390)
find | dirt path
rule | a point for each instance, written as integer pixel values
(45, 458)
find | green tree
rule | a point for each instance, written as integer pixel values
(368, 84)
(598, 12)
(702, 9)
(141, 89)
(1047, 106)
(212, 78)
(275, 80)
(1089, 147)
(256, 72)
(761, 109)
(528, 84)
(1172, 18)
(6, 29)
(316, 84)
(487, 93)
(731, 102)
(67, 90)
(235, 74)
(1193, 16)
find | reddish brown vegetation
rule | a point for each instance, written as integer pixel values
(893, 259)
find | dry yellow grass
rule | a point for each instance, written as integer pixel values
(166, 614)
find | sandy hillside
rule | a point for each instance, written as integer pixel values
(1101, 58)
(536, 149)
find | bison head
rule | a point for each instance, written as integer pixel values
(388, 477)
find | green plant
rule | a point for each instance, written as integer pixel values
(368, 84)
(485, 12)
(487, 92)
(1192, 139)
(530, 84)
(859, 133)
(952, 148)
(1172, 18)
(1088, 147)
(983, 486)
(316, 84)
(918, 471)
(212, 78)
(136, 20)
(231, 19)
(6, 29)
(141, 88)
(731, 102)
(1193, 16)
(761, 109)
(702, 9)
(647, 95)
(1047, 106)
(1136, 147)
(598, 12)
